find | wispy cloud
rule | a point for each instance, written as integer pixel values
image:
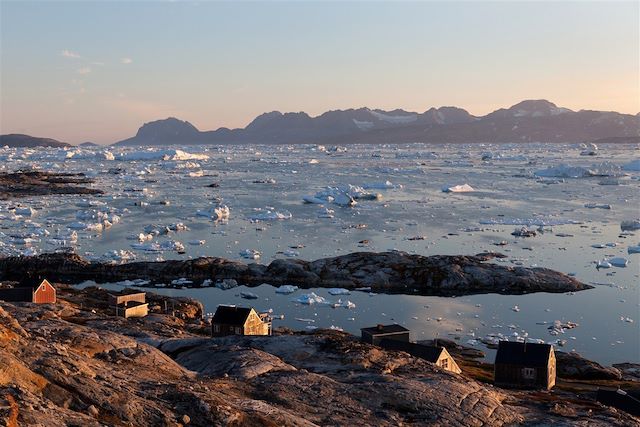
(83, 70)
(126, 60)
(69, 54)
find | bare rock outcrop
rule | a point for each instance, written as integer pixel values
(386, 272)
(70, 364)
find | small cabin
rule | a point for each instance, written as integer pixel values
(525, 365)
(377, 333)
(44, 293)
(437, 355)
(130, 305)
(232, 320)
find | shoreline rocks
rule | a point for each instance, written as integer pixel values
(385, 272)
(36, 183)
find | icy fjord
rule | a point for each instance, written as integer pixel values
(571, 208)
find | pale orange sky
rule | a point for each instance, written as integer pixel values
(66, 74)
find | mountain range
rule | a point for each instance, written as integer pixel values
(527, 121)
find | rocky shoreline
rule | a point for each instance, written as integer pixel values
(36, 183)
(386, 272)
(74, 363)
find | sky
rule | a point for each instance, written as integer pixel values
(96, 71)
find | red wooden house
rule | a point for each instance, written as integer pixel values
(44, 293)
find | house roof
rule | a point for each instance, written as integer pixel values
(385, 329)
(427, 352)
(231, 315)
(525, 354)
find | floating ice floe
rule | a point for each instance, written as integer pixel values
(250, 254)
(464, 188)
(339, 291)
(633, 249)
(524, 232)
(25, 211)
(630, 224)
(540, 221)
(117, 256)
(590, 149)
(286, 289)
(603, 264)
(309, 299)
(248, 295)
(154, 154)
(326, 213)
(597, 206)
(386, 185)
(225, 284)
(269, 214)
(619, 262)
(343, 304)
(567, 171)
(217, 213)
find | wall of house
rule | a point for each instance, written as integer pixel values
(255, 326)
(122, 299)
(136, 311)
(451, 364)
(512, 375)
(45, 294)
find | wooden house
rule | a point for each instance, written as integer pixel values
(434, 354)
(130, 305)
(232, 320)
(44, 293)
(525, 365)
(377, 333)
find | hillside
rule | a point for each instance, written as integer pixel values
(20, 140)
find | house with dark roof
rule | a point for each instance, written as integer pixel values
(232, 320)
(431, 353)
(42, 293)
(390, 332)
(525, 365)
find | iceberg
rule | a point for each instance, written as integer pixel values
(339, 291)
(464, 188)
(630, 224)
(152, 154)
(309, 299)
(269, 215)
(286, 289)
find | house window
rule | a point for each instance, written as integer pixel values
(528, 373)
(444, 363)
(216, 328)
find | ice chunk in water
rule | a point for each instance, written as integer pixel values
(464, 188)
(309, 299)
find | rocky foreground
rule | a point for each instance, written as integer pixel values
(74, 364)
(36, 183)
(387, 272)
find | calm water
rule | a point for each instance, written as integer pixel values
(505, 192)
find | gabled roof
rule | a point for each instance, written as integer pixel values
(525, 354)
(231, 315)
(385, 329)
(427, 352)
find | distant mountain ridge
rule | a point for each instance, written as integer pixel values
(527, 121)
(20, 140)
